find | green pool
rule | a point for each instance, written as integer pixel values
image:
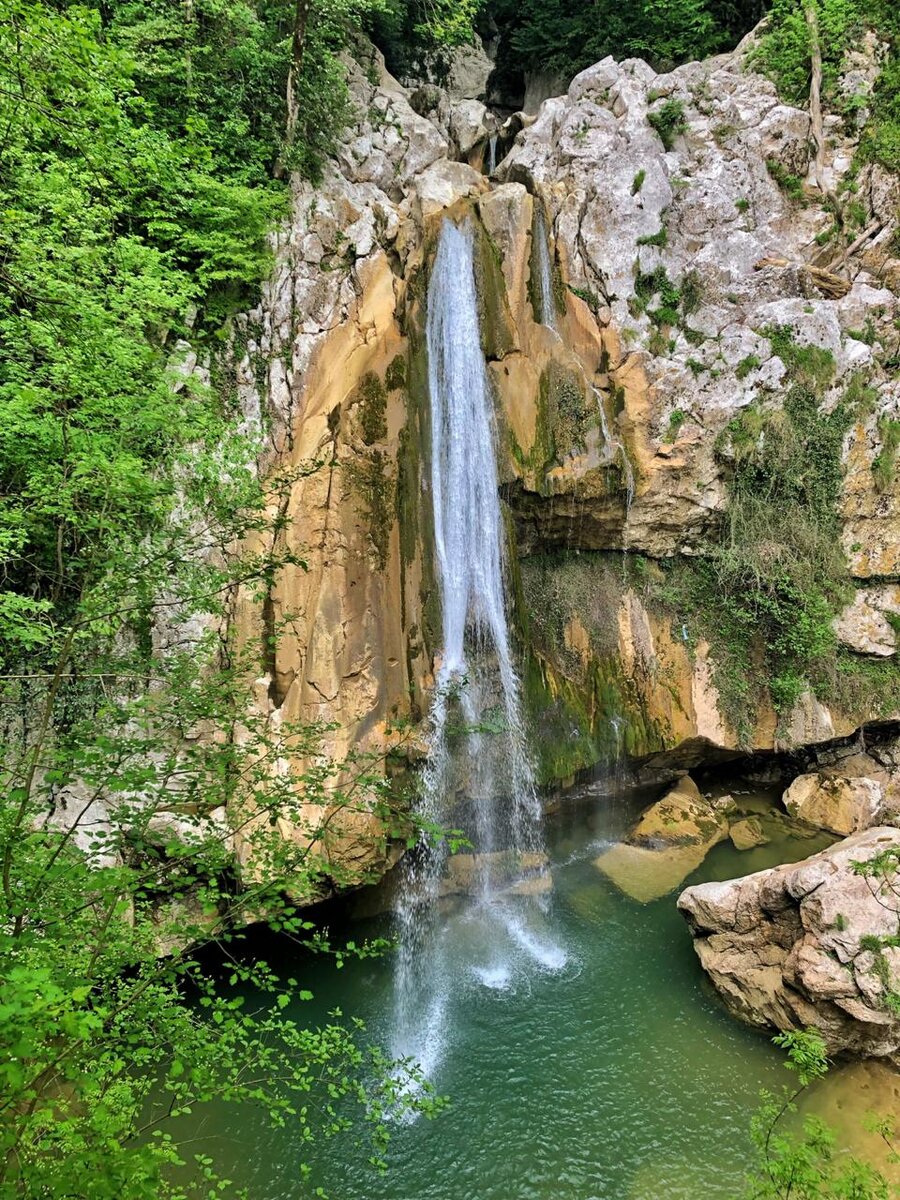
(612, 1075)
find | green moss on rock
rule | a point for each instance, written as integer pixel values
(371, 401)
(498, 332)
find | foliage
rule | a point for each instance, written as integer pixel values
(882, 874)
(784, 54)
(766, 591)
(676, 419)
(136, 168)
(885, 465)
(372, 400)
(660, 238)
(112, 853)
(791, 185)
(747, 365)
(562, 36)
(416, 35)
(136, 186)
(806, 1166)
(668, 120)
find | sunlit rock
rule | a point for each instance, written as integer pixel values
(788, 947)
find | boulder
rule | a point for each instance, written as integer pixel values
(467, 74)
(790, 947)
(747, 833)
(668, 843)
(682, 817)
(833, 802)
(443, 184)
(468, 124)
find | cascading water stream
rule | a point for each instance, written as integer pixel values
(614, 448)
(478, 747)
(547, 314)
(492, 154)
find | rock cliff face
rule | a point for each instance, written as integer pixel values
(674, 259)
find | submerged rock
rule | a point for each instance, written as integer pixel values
(791, 947)
(747, 833)
(520, 874)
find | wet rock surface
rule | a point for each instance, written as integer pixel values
(670, 840)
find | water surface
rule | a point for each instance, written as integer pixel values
(616, 1076)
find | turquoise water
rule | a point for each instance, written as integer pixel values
(617, 1077)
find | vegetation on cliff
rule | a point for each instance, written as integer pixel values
(141, 168)
(562, 37)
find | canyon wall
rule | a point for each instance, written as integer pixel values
(686, 282)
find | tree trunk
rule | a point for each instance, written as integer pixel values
(815, 91)
(298, 46)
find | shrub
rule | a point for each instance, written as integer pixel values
(791, 185)
(661, 238)
(668, 121)
(747, 364)
(676, 420)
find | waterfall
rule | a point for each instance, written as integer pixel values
(477, 746)
(614, 448)
(492, 154)
(547, 314)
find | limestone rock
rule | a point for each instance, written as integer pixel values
(864, 625)
(747, 833)
(468, 124)
(784, 947)
(682, 816)
(612, 188)
(443, 184)
(670, 841)
(467, 74)
(839, 804)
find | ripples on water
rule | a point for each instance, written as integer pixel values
(587, 1060)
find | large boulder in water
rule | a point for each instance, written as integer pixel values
(796, 946)
(845, 798)
(669, 842)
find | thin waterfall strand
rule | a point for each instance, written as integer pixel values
(547, 314)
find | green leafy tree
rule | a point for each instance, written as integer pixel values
(806, 1166)
(563, 37)
(144, 811)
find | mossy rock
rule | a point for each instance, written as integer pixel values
(498, 331)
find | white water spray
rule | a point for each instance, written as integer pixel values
(478, 748)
